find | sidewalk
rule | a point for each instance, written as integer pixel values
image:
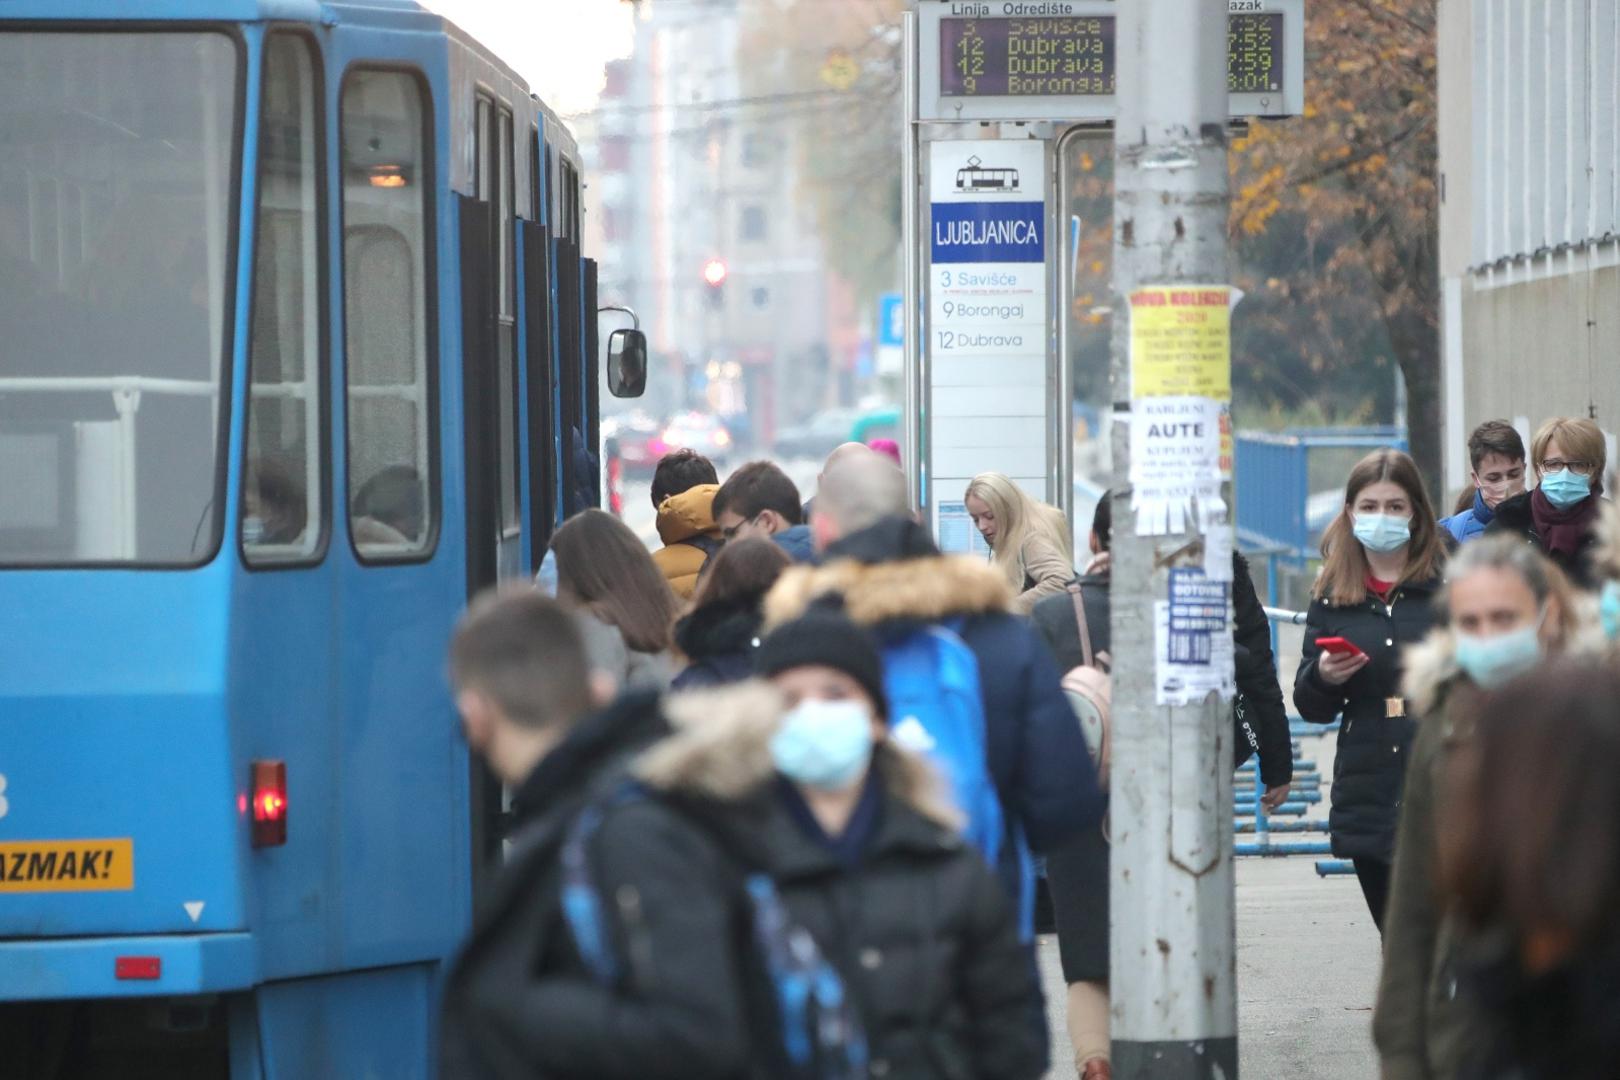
(1308, 956)
(1307, 973)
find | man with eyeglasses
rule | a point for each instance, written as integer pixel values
(759, 500)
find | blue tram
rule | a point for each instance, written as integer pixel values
(297, 350)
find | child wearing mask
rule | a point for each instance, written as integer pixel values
(802, 780)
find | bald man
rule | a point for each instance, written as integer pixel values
(841, 452)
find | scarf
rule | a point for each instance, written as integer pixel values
(1564, 532)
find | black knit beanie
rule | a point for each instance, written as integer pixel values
(825, 638)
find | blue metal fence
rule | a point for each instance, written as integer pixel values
(1274, 484)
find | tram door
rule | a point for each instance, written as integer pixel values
(490, 393)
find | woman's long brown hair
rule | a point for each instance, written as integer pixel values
(743, 572)
(602, 568)
(1344, 564)
(1529, 828)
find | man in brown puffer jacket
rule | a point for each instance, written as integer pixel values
(683, 490)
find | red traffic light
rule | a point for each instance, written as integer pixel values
(714, 272)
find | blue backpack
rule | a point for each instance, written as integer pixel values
(819, 1035)
(936, 709)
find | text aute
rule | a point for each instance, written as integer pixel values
(58, 866)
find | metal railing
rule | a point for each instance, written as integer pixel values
(1249, 813)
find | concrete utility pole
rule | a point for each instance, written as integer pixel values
(1173, 955)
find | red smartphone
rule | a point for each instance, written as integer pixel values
(1338, 646)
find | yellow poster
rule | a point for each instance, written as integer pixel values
(1181, 342)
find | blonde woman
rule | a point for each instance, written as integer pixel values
(1029, 541)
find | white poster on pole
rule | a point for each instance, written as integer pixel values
(987, 344)
(1192, 650)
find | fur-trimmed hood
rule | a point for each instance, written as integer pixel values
(1431, 664)
(925, 589)
(721, 751)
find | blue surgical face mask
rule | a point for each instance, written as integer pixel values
(1493, 661)
(824, 744)
(1565, 488)
(1609, 609)
(545, 579)
(1382, 533)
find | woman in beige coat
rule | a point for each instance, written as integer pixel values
(1030, 542)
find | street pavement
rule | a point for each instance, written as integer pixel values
(1307, 973)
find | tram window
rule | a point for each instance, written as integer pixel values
(575, 208)
(283, 487)
(535, 186)
(392, 425)
(506, 334)
(753, 223)
(484, 179)
(117, 231)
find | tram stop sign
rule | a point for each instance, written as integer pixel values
(984, 60)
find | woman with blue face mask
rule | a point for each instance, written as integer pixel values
(864, 849)
(1508, 610)
(1561, 514)
(1381, 563)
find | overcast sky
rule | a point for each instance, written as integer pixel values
(558, 46)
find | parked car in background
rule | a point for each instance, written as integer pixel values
(702, 432)
(633, 432)
(816, 437)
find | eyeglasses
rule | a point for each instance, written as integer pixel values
(731, 533)
(1555, 464)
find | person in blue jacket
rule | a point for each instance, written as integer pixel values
(1496, 471)
(883, 567)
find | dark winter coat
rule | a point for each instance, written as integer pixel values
(1555, 1025)
(1420, 1026)
(1514, 517)
(1255, 664)
(518, 1002)
(1369, 767)
(719, 641)
(919, 929)
(892, 579)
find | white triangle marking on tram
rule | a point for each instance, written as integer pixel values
(194, 909)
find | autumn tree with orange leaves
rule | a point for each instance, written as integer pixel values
(1335, 220)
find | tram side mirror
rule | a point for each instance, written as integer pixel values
(627, 363)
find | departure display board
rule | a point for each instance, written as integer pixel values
(1074, 56)
(1026, 57)
(1254, 53)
